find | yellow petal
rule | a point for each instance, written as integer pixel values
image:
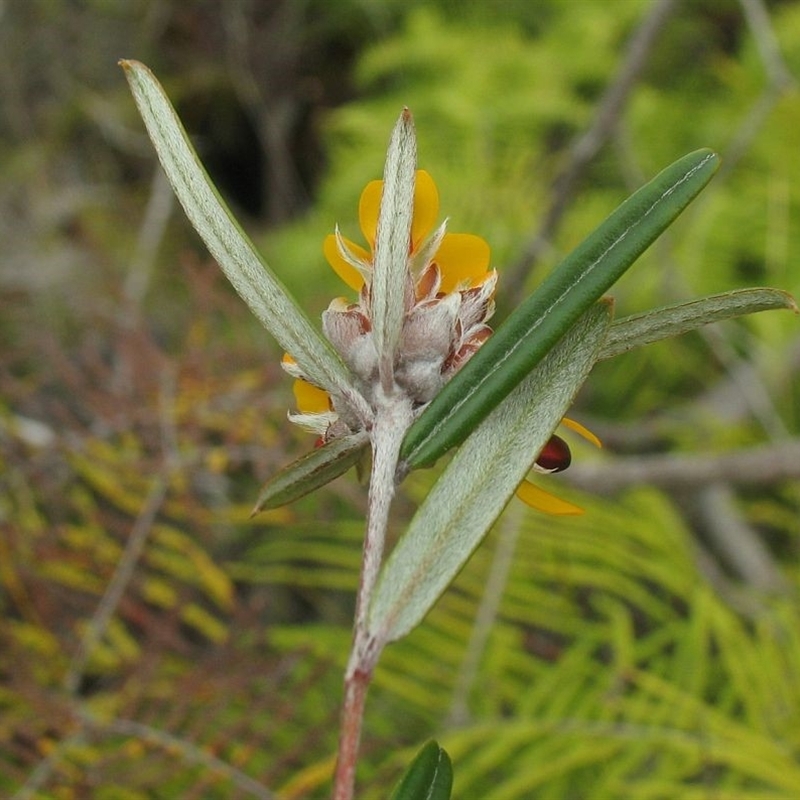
(368, 208)
(544, 501)
(581, 431)
(310, 399)
(462, 258)
(426, 207)
(347, 272)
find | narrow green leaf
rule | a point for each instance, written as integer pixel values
(311, 471)
(428, 777)
(543, 318)
(390, 270)
(258, 286)
(479, 481)
(663, 323)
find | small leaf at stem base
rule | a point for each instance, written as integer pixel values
(312, 471)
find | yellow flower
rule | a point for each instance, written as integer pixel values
(462, 258)
(449, 300)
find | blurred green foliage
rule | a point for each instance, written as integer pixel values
(625, 656)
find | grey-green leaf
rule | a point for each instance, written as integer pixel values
(479, 481)
(663, 323)
(258, 286)
(390, 271)
(312, 471)
(428, 777)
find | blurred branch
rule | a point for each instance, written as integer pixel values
(704, 484)
(757, 466)
(586, 147)
(46, 767)
(761, 27)
(261, 72)
(134, 546)
(735, 540)
(610, 109)
(746, 384)
(151, 232)
(780, 80)
(724, 400)
(486, 616)
(107, 606)
(740, 598)
(184, 749)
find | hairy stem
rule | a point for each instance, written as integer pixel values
(392, 418)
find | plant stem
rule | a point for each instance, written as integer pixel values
(392, 418)
(355, 697)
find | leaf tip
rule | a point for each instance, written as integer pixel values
(405, 124)
(129, 64)
(713, 160)
(430, 775)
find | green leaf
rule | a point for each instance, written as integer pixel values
(663, 323)
(428, 777)
(311, 471)
(390, 271)
(479, 481)
(542, 319)
(258, 286)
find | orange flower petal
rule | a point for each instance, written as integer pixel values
(310, 399)
(581, 431)
(462, 258)
(544, 501)
(368, 208)
(426, 207)
(347, 272)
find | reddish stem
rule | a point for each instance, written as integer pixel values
(355, 696)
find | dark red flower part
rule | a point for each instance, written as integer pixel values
(555, 455)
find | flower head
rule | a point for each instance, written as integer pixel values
(448, 300)
(448, 297)
(447, 303)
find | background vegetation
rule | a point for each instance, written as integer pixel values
(155, 641)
